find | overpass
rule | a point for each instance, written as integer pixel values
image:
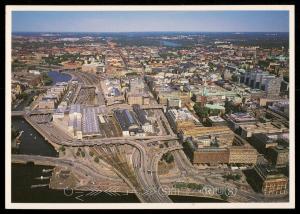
(17, 113)
(35, 112)
(113, 140)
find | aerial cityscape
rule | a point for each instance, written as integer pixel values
(141, 109)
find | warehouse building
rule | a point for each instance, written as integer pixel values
(74, 123)
(128, 122)
(142, 117)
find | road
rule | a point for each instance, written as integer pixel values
(76, 165)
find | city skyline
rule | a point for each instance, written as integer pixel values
(113, 22)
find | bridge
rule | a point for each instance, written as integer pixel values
(118, 140)
(17, 113)
(35, 112)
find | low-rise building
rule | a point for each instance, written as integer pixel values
(242, 152)
(179, 118)
(142, 117)
(216, 121)
(128, 122)
(247, 130)
(237, 119)
(74, 123)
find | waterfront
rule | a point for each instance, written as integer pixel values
(58, 77)
(23, 175)
(32, 143)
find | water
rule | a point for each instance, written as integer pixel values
(23, 175)
(55, 76)
(29, 145)
(58, 77)
(170, 44)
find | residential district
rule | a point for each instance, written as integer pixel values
(200, 115)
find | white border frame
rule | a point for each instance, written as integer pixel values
(8, 31)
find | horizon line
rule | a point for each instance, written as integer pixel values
(150, 31)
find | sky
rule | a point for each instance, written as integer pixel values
(133, 21)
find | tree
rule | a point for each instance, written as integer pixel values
(168, 157)
(96, 159)
(62, 148)
(91, 153)
(82, 154)
(234, 78)
(202, 112)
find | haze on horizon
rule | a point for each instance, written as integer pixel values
(148, 21)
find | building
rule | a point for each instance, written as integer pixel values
(279, 111)
(71, 66)
(217, 145)
(135, 99)
(90, 122)
(142, 117)
(112, 91)
(222, 133)
(173, 102)
(242, 152)
(264, 81)
(60, 112)
(213, 94)
(216, 121)
(94, 67)
(272, 87)
(128, 122)
(27, 79)
(136, 85)
(179, 118)
(53, 96)
(278, 155)
(269, 181)
(237, 119)
(247, 130)
(215, 109)
(84, 122)
(262, 141)
(211, 156)
(74, 123)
